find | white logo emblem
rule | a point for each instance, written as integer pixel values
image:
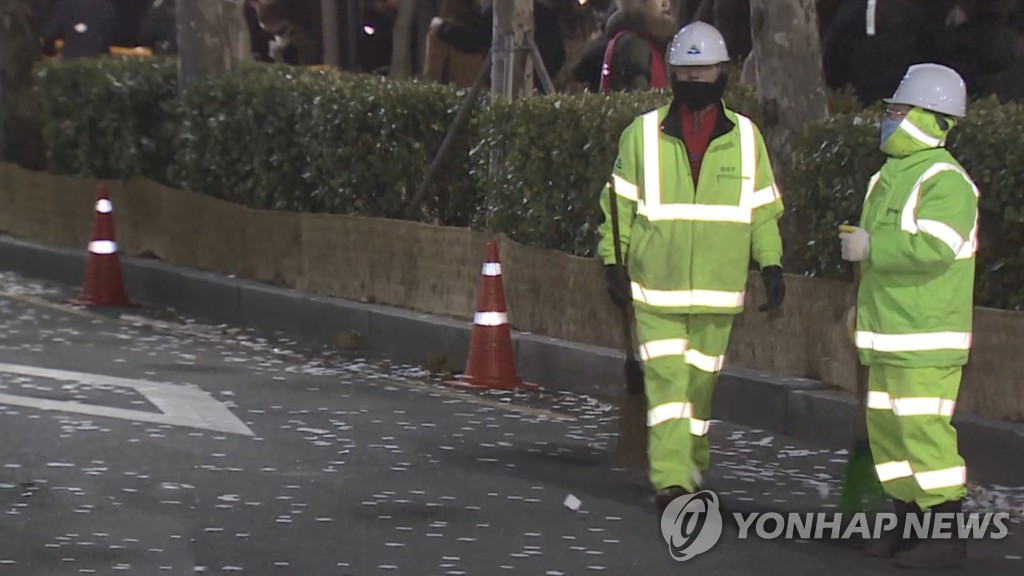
(692, 524)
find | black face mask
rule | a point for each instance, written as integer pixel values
(698, 95)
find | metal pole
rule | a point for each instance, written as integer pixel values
(538, 65)
(510, 65)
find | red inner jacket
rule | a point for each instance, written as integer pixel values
(697, 130)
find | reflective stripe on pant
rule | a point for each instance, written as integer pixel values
(682, 357)
(912, 440)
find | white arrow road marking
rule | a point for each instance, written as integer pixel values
(179, 405)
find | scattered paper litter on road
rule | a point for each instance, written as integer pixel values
(573, 503)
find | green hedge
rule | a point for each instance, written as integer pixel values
(290, 138)
(282, 138)
(558, 151)
(109, 117)
(556, 154)
(837, 158)
(274, 137)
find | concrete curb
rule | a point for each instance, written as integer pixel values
(799, 408)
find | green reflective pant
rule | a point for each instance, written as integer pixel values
(912, 440)
(682, 357)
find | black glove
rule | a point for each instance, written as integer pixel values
(774, 287)
(616, 281)
(634, 377)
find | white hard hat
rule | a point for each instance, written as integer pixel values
(932, 87)
(697, 44)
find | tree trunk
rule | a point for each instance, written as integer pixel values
(512, 68)
(331, 33)
(212, 38)
(236, 31)
(353, 10)
(788, 71)
(401, 50)
(787, 63)
(748, 74)
(20, 136)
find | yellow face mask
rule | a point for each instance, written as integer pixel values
(919, 130)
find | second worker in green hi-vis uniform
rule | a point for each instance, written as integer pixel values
(696, 198)
(916, 247)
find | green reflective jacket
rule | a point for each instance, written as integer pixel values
(688, 250)
(916, 298)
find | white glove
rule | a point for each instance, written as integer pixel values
(856, 245)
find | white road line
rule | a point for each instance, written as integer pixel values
(179, 331)
(179, 405)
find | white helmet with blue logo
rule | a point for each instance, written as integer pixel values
(697, 44)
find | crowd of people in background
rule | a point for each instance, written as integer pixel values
(594, 45)
(90, 28)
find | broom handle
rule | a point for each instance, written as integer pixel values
(860, 424)
(862, 370)
(627, 321)
(862, 381)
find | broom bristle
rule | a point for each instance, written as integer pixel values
(861, 491)
(631, 451)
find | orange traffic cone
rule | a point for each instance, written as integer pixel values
(490, 363)
(102, 285)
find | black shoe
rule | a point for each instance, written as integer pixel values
(665, 496)
(936, 553)
(893, 541)
(933, 554)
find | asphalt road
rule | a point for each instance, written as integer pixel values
(135, 442)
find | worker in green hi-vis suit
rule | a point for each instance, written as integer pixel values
(916, 247)
(696, 198)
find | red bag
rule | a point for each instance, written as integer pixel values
(659, 76)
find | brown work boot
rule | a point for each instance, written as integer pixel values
(936, 553)
(665, 496)
(893, 541)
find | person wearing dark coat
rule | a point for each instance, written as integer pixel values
(985, 45)
(588, 68)
(443, 62)
(641, 30)
(159, 27)
(85, 26)
(871, 49)
(477, 39)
